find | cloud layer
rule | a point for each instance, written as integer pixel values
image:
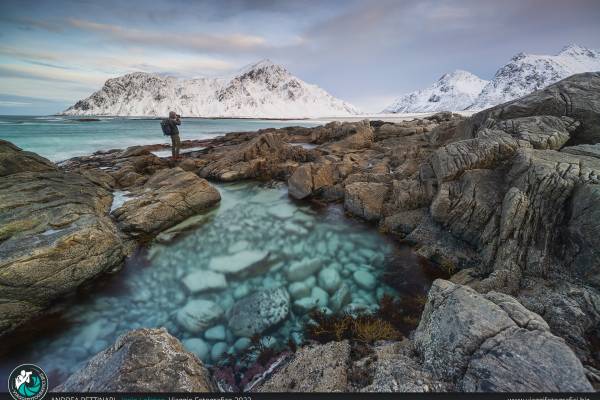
(366, 52)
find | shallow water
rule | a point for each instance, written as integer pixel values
(58, 138)
(149, 291)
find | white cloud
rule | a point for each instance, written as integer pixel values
(195, 41)
(4, 103)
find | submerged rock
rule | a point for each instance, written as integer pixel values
(341, 298)
(364, 279)
(218, 351)
(197, 315)
(144, 360)
(242, 264)
(259, 311)
(329, 279)
(201, 281)
(216, 333)
(298, 290)
(302, 270)
(199, 347)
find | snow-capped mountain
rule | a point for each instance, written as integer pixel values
(526, 73)
(454, 91)
(523, 74)
(261, 90)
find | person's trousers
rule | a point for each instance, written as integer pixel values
(175, 145)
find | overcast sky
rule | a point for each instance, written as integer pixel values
(53, 53)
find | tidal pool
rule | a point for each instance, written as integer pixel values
(258, 263)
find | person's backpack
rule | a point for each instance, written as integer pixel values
(166, 127)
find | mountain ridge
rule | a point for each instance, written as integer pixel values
(260, 90)
(523, 74)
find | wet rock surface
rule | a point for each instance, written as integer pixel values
(55, 234)
(166, 198)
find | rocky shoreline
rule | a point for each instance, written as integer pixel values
(506, 201)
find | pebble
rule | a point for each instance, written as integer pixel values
(321, 296)
(329, 279)
(298, 290)
(302, 270)
(364, 279)
(304, 305)
(340, 298)
(242, 344)
(201, 281)
(215, 333)
(197, 346)
(218, 351)
(197, 315)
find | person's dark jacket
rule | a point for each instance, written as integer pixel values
(173, 122)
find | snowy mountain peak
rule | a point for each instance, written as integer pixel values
(260, 90)
(452, 91)
(576, 50)
(523, 74)
(264, 66)
(526, 73)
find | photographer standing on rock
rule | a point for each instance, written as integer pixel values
(174, 120)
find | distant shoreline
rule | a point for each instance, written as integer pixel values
(388, 117)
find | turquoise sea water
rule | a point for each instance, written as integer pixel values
(252, 219)
(150, 291)
(58, 138)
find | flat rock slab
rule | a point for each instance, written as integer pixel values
(143, 360)
(240, 264)
(259, 311)
(202, 281)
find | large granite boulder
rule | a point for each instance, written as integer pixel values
(55, 234)
(167, 198)
(259, 311)
(492, 339)
(143, 360)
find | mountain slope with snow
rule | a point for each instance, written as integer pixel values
(454, 91)
(261, 90)
(526, 73)
(523, 74)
